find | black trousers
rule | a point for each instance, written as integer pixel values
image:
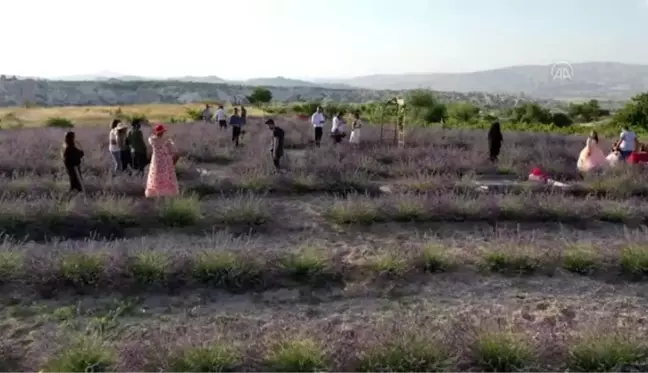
(222, 124)
(74, 173)
(140, 160)
(276, 162)
(236, 134)
(337, 137)
(126, 159)
(318, 135)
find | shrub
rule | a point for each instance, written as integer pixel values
(59, 122)
(561, 120)
(194, 114)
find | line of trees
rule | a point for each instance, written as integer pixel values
(423, 107)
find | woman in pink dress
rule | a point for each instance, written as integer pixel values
(162, 180)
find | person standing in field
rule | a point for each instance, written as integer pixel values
(337, 130)
(138, 146)
(72, 156)
(116, 143)
(235, 123)
(162, 180)
(207, 115)
(243, 120)
(277, 146)
(354, 138)
(318, 119)
(495, 139)
(627, 142)
(124, 146)
(221, 117)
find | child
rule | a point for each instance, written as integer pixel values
(72, 155)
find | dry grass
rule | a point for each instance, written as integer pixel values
(98, 115)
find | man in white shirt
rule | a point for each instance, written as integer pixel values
(221, 117)
(337, 130)
(627, 142)
(318, 120)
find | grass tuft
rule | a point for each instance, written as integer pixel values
(216, 358)
(581, 260)
(306, 266)
(85, 356)
(502, 352)
(413, 356)
(83, 269)
(11, 264)
(435, 259)
(179, 212)
(634, 262)
(349, 212)
(296, 355)
(506, 262)
(150, 268)
(226, 270)
(607, 354)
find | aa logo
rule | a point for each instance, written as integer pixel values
(562, 71)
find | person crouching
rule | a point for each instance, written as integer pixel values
(337, 130)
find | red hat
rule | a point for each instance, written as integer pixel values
(537, 172)
(159, 129)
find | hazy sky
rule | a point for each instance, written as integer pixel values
(310, 38)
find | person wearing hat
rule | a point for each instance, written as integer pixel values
(277, 148)
(162, 180)
(116, 142)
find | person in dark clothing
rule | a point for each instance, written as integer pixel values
(494, 140)
(277, 148)
(135, 139)
(235, 123)
(243, 120)
(72, 155)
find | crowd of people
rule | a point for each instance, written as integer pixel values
(626, 149)
(129, 151)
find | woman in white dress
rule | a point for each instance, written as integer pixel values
(355, 129)
(591, 157)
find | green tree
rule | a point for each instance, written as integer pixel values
(561, 120)
(463, 112)
(635, 112)
(531, 112)
(260, 97)
(423, 106)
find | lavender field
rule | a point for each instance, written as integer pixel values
(355, 259)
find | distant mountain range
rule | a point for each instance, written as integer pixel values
(601, 80)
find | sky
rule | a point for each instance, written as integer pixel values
(313, 38)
